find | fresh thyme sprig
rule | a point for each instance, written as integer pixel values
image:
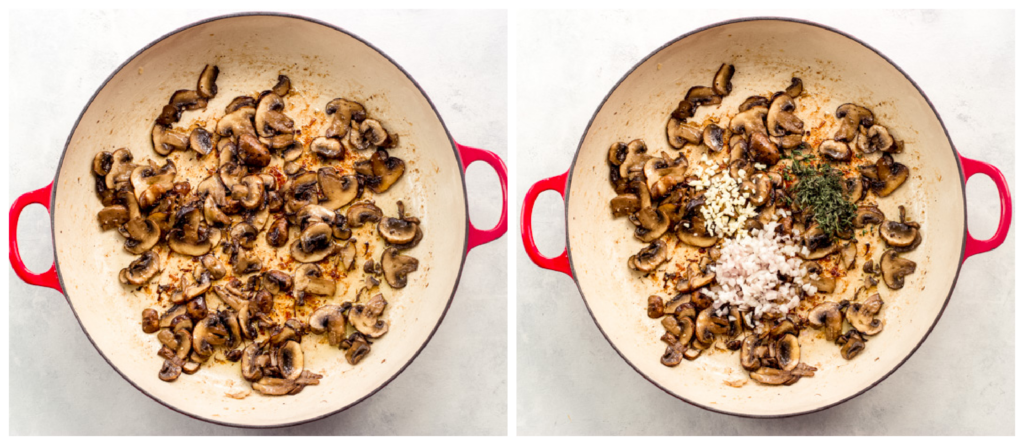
(818, 190)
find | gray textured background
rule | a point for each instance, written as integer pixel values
(60, 385)
(570, 381)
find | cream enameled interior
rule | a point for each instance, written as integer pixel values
(251, 51)
(766, 54)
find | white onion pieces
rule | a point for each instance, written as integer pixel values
(760, 273)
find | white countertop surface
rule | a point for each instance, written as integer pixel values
(570, 380)
(59, 384)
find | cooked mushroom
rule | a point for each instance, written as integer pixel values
(701, 95)
(722, 85)
(370, 133)
(852, 117)
(664, 173)
(141, 234)
(277, 282)
(269, 116)
(329, 148)
(823, 284)
(787, 352)
(694, 279)
(277, 235)
(795, 88)
(386, 171)
(112, 217)
(852, 344)
(244, 261)
(253, 188)
(655, 306)
(772, 376)
(315, 243)
(341, 112)
(696, 240)
(358, 348)
(244, 234)
(678, 132)
(853, 188)
(397, 267)
(861, 315)
(121, 168)
(329, 319)
(894, 269)
(193, 238)
(878, 138)
(187, 100)
(402, 230)
(708, 325)
(635, 158)
(763, 150)
(290, 360)
(309, 280)
(209, 332)
(713, 137)
(673, 354)
(166, 140)
(366, 318)
(363, 212)
(251, 370)
(300, 192)
(781, 119)
(788, 141)
(626, 204)
(237, 122)
(754, 101)
(762, 189)
(283, 85)
(207, 85)
(650, 222)
(252, 152)
(835, 150)
(750, 121)
(141, 269)
(891, 175)
(897, 233)
(867, 214)
(748, 359)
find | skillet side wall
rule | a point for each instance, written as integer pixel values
(120, 115)
(766, 54)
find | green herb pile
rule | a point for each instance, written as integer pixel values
(818, 191)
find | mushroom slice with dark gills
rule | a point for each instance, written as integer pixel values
(650, 257)
(626, 204)
(244, 234)
(290, 360)
(397, 267)
(190, 236)
(788, 141)
(312, 214)
(330, 320)
(370, 133)
(773, 376)
(102, 163)
(309, 280)
(386, 171)
(835, 151)
(356, 348)
(891, 175)
(787, 352)
(276, 282)
(366, 318)
(141, 234)
(314, 244)
(862, 315)
(633, 160)
(121, 168)
(898, 234)
(708, 325)
(270, 119)
(277, 235)
(252, 152)
(166, 140)
(823, 284)
(299, 192)
(878, 138)
(213, 265)
(852, 344)
(237, 122)
(142, 269)
(748, 359)
(200, 141)
(894, 269)
(283, 85)
(251, 370)
(763, 150)
(701, 95)
(187, 100)
(852, 117)
(329, 148)
(795, 88)
(209, 332)
(240, 102)
(206, 87)
(339, 190)
(650, 222)
(694, 279)
(713, 138)
(722, 85)
(361, 213)
(679, 134)
(673, 355)
(781, 119)
(867, 214)
(401, 231)
(112, 217)
(664, 173)
(818, 244)
(853, 188)
(754, 101)
(750, 121)
(340, 113)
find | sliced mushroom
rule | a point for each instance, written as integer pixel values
(695, 240)
(141, 234)
(361, 213)
(835, 150)
(366, 318)
(788, 141)
(708, 325)
(673, 355)
(112, 217)
(269, 117)
(254, 192)
(277, 282)
(300, 192)
(251, 370)
(283, 85)
(245, 262)
(750, 121)
(722, 85)
(329, 319)
(795, 88)
(314, 244)
(237, 122)
(290, 360)
(207, 85)
(678, 132)
(772, 376)
(694, 279)
(277, 235)
(748, 359)
(358, 349)
(852, 117)
(701, 95)
(891, 175)
(713, 137)
(193, 238)
(823, 284)
(370, 134)
(867, 214)
(626, 204)
(252, 152)
(329, 148)
(781, 119)
(309, 280)
(861, 315)
(121, 168)
(201, 141)
(187, 100)
(762, 150)
(787, 352)
(651, 222)
(386, 171)
(341, 112)
(894, 269)
(166, 140)
(897, 233)
(397, 267)
(852, 344)
(655, 306)
(878, 138)
(853, 188)
(754, 101)
(664, 173)
(635, 158)
(402, 230)
(141, 269)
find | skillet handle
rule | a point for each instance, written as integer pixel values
(559, 263)
(976, 246)
(470, 155)
(48, 278)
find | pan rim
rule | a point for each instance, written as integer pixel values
(74, 128)
(579, 147)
